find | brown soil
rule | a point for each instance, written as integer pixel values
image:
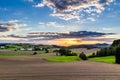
(35, 68)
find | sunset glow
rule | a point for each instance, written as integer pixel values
(73, 41)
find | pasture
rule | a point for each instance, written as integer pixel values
(106, 59)
(64, 59)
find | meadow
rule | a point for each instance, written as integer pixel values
(106, 59)
(64, 59)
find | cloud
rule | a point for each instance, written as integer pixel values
(76, 38)
(81, 34)
(99, 39)
(11, 26)
(13, 21)
(29, 0)
(58, 27)
(3, 29)
(71, 38)
(75, 9)
(12, 38)
(107, 29)
(17, 36)
(7, 27)
(91, 19)
(56, 35)
(50, 24)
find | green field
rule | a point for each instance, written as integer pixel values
(107, 59)
(15, 54)
(64, 59)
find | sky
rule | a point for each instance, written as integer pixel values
(59, 22)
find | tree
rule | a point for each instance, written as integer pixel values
(117, 55)
(46, 50)
(64, 51)
(83, 56)
(36, 48)
(57, 52)
(34, 53)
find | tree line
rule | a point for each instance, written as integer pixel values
(113, 50)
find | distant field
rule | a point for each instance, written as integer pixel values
(77, 50)
(107, 59)
(15, 54)
(63, 59)
(85, 50)
(24, 53)
(19, 52)
(13, 47)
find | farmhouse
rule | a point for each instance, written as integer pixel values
(22, 49)
(29, 49)
(2, 47)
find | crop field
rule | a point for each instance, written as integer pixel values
(85, 50)
(36, 68)
(19, 52)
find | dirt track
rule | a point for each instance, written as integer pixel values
(35, 68)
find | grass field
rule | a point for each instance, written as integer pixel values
(107, 59)
(15, 54)
(64, 59)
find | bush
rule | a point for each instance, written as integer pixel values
(83, 56)
(46, 50)
(36, 49)
(34, 53)
(71, 54)
(66, 52)
(74, 54)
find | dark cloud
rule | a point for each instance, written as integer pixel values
(5, 27)
(98, 39)
(102, 1)
(79, 34)
(48, 37)
(55, 35)
(17, 36)
(74, 9)
(64, 4)
(87, 34)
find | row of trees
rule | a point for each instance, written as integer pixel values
(104, 52)
(113, 50)
(68, 52)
